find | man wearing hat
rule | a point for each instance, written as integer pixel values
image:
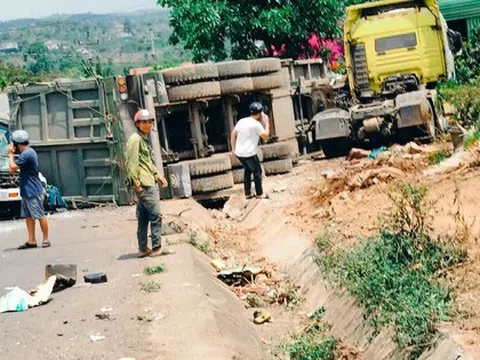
(144, 176)
(31, 187)
(244, 140)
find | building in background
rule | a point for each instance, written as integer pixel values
(461, 15)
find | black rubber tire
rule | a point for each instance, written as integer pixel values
(190, 73)
(277, 167)
(236, 86)
(212, 183)
(228, 69)
(335, 147)
(236, 164)
(267, 82)
(194, 91)
(275, 151)
(212, 165)
(265, 66)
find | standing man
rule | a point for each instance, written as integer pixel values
(244, 139)
(31, 187)
(144, 177)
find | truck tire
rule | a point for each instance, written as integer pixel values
(335, 147)
(265, 66)
(194, 91)
(190, 73)
(277, 167)
(267, 82)
(211, 165)
(229, 69)
(236, 164)
(236, 86)
(275, 151)
(213, 183)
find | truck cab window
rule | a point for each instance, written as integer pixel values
(395, 42)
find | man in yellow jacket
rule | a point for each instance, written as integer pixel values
(144, 176)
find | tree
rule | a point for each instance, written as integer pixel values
(10, 74)
(252, 28)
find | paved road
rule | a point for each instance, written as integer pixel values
(196, 309)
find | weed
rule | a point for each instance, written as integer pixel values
(202, 246)
(313, 343)
(438, 157)
(394, 274)
(471, 139)
(150, 286)
(151, 270)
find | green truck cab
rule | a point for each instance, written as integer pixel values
(396, 52)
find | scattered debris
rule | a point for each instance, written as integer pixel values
(103, 316)
(413, 148)
(358, 154)
(279, 187)
(375, 153)
(97, 278)
(240, 276)
(97, 337)
(18, 300)
(371, 177)
(137, 275)
(255, 301)
(173, 227)
(66, 275)
(218, 265)
(261, 317)
(151, 317)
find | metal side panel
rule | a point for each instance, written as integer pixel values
(82, 171)
(332, 124)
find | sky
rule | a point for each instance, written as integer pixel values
(17, 9)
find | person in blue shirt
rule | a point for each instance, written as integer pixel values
(32, 191)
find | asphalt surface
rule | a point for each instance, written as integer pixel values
(192, 316)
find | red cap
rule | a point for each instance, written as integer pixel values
(143, 115)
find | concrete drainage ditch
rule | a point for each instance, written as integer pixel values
(283, 245)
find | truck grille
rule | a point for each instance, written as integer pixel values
(360, 67)
(8, 181)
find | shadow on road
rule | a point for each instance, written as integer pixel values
(130, 256)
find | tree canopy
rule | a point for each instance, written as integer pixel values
(218, 29)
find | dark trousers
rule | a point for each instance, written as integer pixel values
(251, 165)
(148, 212)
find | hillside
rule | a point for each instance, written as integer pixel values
(58, 44)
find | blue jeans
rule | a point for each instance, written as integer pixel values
(148, 211)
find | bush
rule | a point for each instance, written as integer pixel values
(394, 275)
(465, 98)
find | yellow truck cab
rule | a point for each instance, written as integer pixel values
(396, 51)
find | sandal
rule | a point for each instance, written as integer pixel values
(46, 244)
(162, 252)
(26, 246)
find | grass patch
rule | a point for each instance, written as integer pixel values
(395, 274)
(202, 246)
(152, 270)
(437, 157)
(471, 139)
(150, 286)
(313, 343)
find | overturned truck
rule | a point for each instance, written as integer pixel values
(396, 52)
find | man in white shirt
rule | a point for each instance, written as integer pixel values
(244, 139)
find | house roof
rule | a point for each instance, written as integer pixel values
(459, 9)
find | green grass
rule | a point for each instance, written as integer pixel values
(471, 139)
(394, 275)
(151, 270)
(437, 157)
(202, 246)
(314, 343)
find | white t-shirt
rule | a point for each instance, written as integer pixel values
(248, 135)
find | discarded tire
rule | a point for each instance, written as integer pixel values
(236, 86)
(265, 66)
(267, 82)
(277, 167)
(237, 164)
(213, 183)
(212, 165)
(190, 73)
(228, 69)
(194, 91)
(275, 151)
